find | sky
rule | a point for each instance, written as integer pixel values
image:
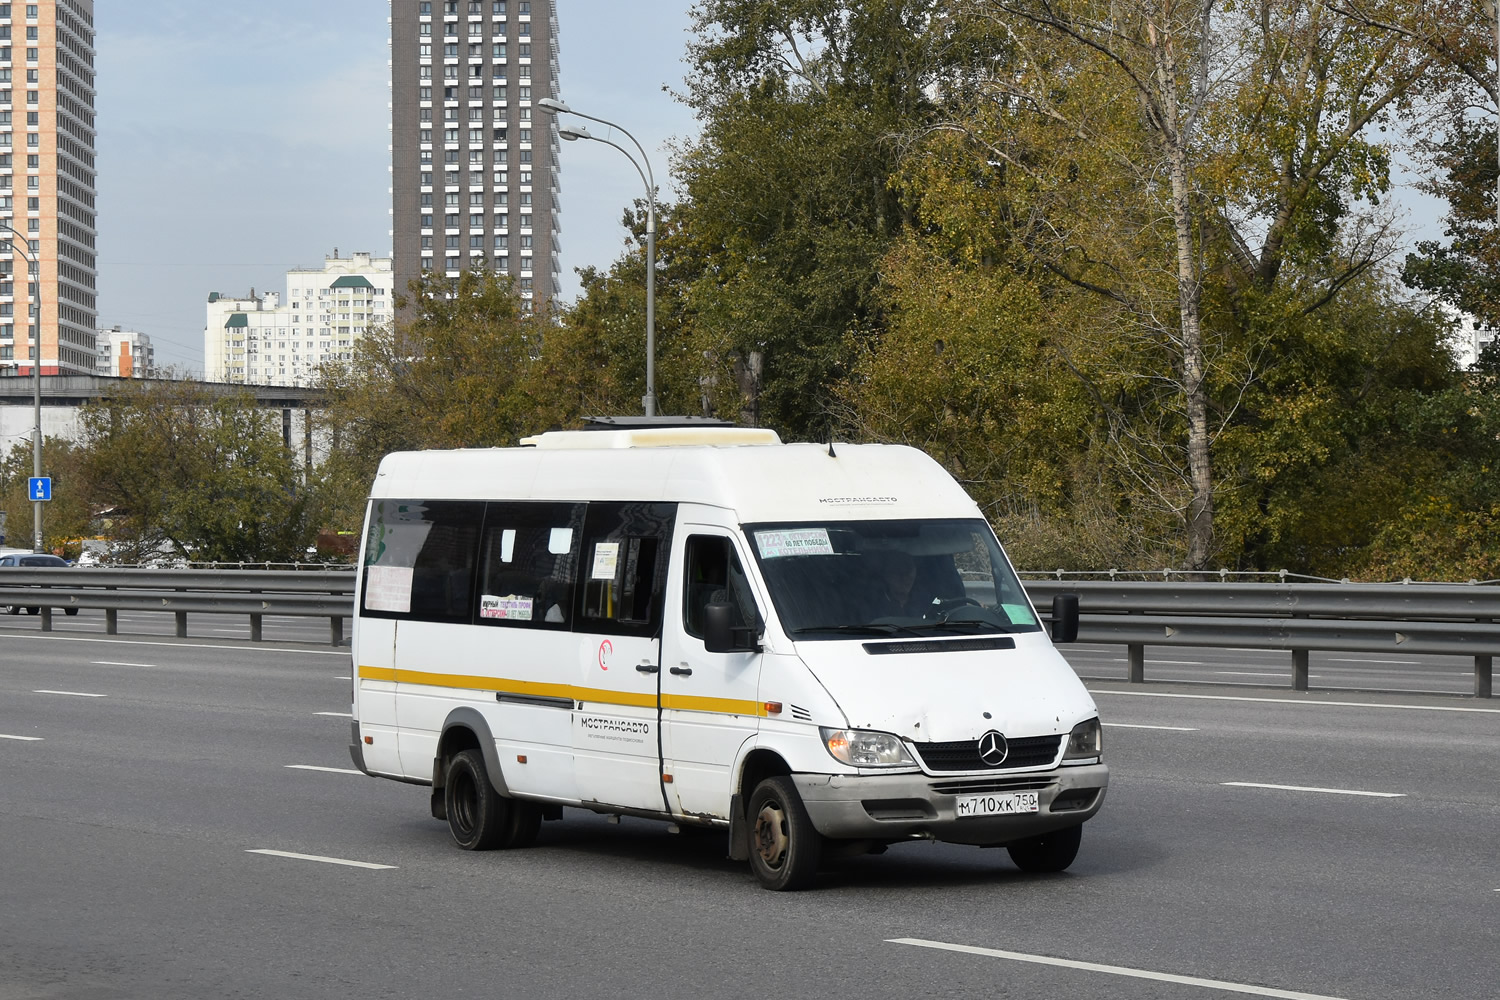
(239, 140)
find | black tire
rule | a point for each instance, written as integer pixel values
(525, 824)
(1050, 852)
(478, 816)
(33, 611)
(785, 849)
(70, 611)
(13, 609)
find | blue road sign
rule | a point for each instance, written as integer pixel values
(39, 487)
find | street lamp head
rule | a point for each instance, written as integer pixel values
(552, 105)
(575, 132)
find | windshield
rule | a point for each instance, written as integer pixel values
(835, 579)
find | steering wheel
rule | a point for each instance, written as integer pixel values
(954, 603)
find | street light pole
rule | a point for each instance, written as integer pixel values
(18, 242)
(554, 106)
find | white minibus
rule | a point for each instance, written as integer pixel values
(819, 649)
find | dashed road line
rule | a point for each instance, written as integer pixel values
(1137, 725)
(1306, 788)
(1115, 970)
(38, 739)
(73, 694)
(120, 663)
(318, 857)
(315, 767)
(341, 715)
(1297, 701)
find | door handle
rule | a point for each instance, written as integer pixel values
(647, 668)
(682, 671)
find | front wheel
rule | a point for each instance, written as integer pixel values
(784, 846)
(478, 816)
(1049, 852)
(70, 611)
(33, 611)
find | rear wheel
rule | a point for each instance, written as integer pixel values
(13, 609)
(33, 611)
(784, 846)
(70, 611)
(1049, 852)
(478, 816)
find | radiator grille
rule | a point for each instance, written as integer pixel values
(963, 755)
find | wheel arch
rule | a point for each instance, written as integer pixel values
(758, 764)
(466, 729)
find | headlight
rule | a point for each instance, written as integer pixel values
(1085, 743)
(862, 748)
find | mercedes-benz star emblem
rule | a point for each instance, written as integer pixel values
(992, 749)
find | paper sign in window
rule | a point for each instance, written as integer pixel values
(606, 558)
(511, 607)
(804, 542)
(1019, 614)
(388, 588)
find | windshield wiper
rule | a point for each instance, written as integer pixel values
(980, 623)
(873, 628)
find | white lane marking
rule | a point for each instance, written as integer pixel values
(1299, 701)
(74, 694)
(314, 767)
(1325, 791)
(1398, 663)
(1136, 725)
(1252, 673)
(1180, 663)
(1114, 970)
(119, 663)
(52, 637)
(342, 677)
(341, 715)
(38, 739)
(318, 857)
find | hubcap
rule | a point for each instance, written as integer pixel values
(770, 834)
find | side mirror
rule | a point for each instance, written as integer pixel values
(720, 636)
(1065, 618)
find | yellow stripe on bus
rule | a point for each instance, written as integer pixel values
(600, 696)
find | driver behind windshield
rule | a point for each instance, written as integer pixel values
(898, 595)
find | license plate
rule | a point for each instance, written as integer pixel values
(998, 805)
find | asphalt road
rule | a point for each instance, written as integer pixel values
(147, 770)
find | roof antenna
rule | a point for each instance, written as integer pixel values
(830, 448)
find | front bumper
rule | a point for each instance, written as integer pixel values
(892, 807)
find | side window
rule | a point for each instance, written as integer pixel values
(623, 574)
(712, 574)
(419, 559)
(528, 563)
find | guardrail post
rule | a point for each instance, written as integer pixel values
(1135, 663)
(1299, 670)
(111, 621)
(255, 628)
(1483, 669)
(336, 630)
(46, 619)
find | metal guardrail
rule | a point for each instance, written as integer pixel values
(256, 593)
(1297, 617)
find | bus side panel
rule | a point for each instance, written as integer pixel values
(444, 666)
(375, 699)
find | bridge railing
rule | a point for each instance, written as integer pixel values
(1296, 617)
(302, 593)
(1300, 618)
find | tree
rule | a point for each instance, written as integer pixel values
(789, 198)
(457, 373)
(66, 517)
(206, 474)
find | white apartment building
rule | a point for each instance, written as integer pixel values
(268, 340)
(124, 354)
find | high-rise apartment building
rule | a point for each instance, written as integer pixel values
(473, 165)
(265, 340)
(47, 186)
(125, 354)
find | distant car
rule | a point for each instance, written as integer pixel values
(34, 560)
